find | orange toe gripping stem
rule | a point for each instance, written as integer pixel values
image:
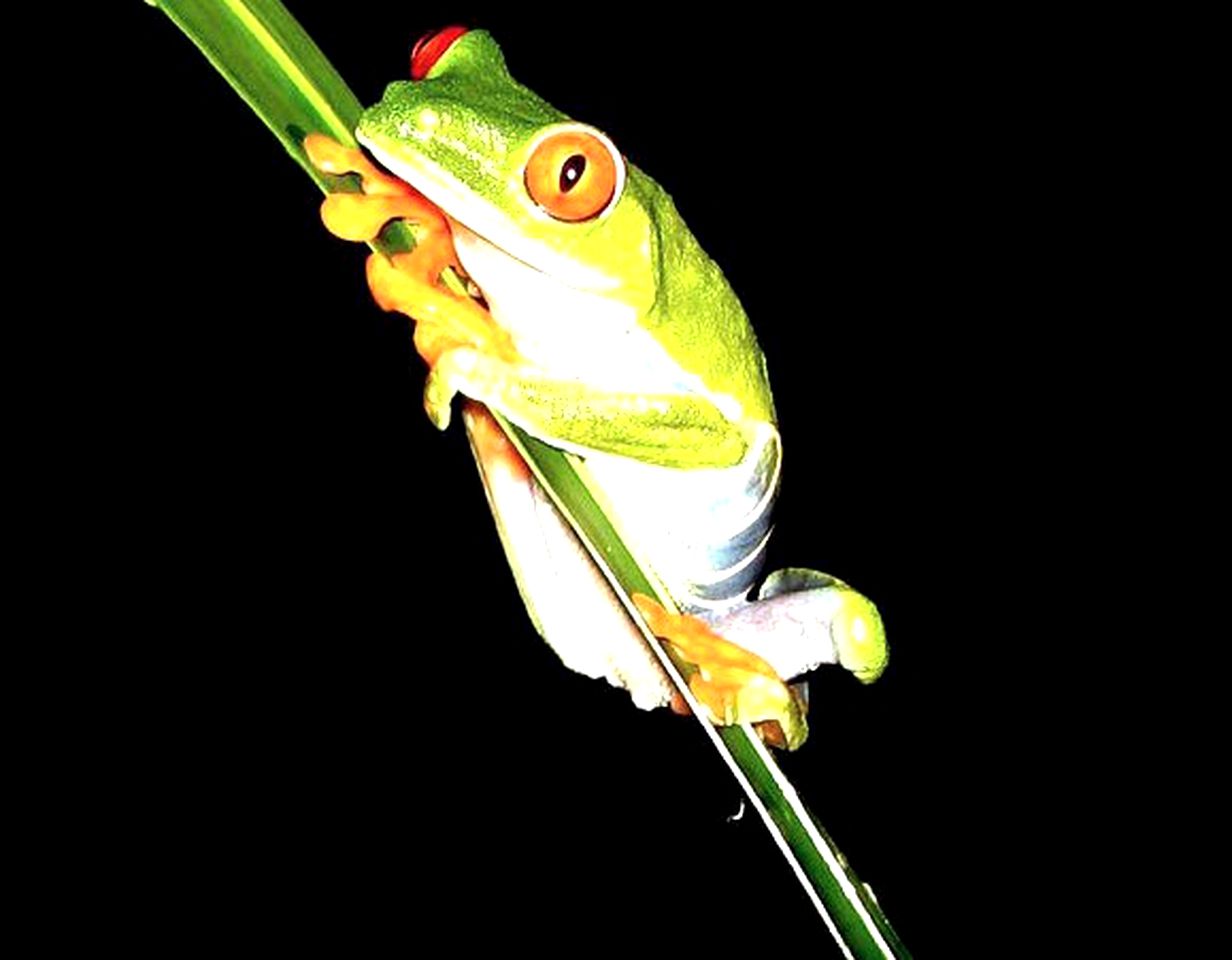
(409, 283)
(735, 685)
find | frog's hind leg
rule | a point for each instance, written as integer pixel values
(803, 618)
(570, 602)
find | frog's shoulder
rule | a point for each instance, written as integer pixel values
(696, 314)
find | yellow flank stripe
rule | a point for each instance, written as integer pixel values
(255, 27)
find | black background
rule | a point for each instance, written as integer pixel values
(355, 732)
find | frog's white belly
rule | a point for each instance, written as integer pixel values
(702, 531)
(567, 596)
(569, 600)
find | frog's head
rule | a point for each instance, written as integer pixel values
(511, 168)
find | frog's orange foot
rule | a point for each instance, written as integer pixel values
(360, 216)
(329, 156)
(733, 684)
(409, 283)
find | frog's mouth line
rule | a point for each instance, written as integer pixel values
(481, 218)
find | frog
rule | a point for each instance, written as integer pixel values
(556, 283)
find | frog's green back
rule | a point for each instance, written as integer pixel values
(696, 314)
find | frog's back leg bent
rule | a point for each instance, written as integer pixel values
(803, 618)
(570, 602)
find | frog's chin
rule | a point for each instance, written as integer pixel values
(461, 205)
(610, 349)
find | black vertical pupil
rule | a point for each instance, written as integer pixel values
(572, 172)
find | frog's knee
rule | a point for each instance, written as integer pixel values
(859, 636)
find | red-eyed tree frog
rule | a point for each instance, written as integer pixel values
(595, 322)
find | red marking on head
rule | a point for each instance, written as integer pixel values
(430, 48)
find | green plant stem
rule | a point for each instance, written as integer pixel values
(277, 69)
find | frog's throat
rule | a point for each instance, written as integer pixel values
(460, 203)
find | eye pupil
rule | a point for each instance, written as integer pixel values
(571, 172)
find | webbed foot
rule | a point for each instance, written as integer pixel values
(732, 683)
(410, 283)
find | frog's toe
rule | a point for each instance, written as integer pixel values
(733, 684)
(356, 216)
(438, 401)
(447, 378)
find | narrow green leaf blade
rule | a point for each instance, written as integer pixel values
(252, 41)
(853, 916)
(269, 60)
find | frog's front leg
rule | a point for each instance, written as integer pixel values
(668, 429)
(409, 283)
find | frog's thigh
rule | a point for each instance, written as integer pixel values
(570, 602)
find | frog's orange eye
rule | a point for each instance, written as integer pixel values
(574, 175)
(431, 47)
